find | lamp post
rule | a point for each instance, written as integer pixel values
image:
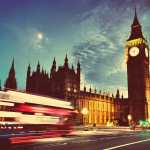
(84, 112)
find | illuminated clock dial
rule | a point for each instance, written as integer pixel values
(134, 51)
(146, 52)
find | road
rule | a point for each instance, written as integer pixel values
(123, 140)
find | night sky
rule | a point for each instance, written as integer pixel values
(93, 31)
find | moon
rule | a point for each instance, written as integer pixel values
(40, 35)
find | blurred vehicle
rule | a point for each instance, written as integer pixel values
(27, 112)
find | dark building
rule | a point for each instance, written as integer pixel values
(137, 51)
(11, 82)
(37, 81)
(58, 83)
(64, 83)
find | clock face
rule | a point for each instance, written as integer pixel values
(146, 52)
(134, 51)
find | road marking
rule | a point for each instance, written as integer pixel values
(123, 145)
(84, 141)
(57, 144)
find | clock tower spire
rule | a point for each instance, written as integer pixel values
(137, 51)
(136, 30)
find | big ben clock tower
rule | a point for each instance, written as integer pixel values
(137, 51)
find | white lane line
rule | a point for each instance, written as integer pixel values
(58, 144)
(123, 145)
(84, 141)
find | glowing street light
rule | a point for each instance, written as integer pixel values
(130, 120)
(68, 89)
(129, 117)
(84, 112)
(75, 90)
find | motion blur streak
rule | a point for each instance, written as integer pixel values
(6, 104)
(28, 98)
(36, 138)
(37, 119)
(33, 117)
(26, 108)
(9, 114)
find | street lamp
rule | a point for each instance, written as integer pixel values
(84, 112)
(129, 119)
(68, 89)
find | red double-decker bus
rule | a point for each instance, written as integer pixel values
(28, 112)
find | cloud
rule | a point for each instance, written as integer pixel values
(27, 38)
(101, 50)
(104, 31)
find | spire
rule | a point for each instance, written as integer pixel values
(122, 96)
(66, 58)
(54, 61)
(78, 70)
(38, 67)
(136, 30)
(54, 65)
(117, 94)
(53, 68)
(84, 88)
(12, 66)
(11, 82)
(29, 68)
(66, 62)
(28, 85)
(28, 71)
(12, 69)
(72, 67)
(90, 90)
(135, 21)
(78, 64)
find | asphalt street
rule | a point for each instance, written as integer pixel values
(131, 141)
